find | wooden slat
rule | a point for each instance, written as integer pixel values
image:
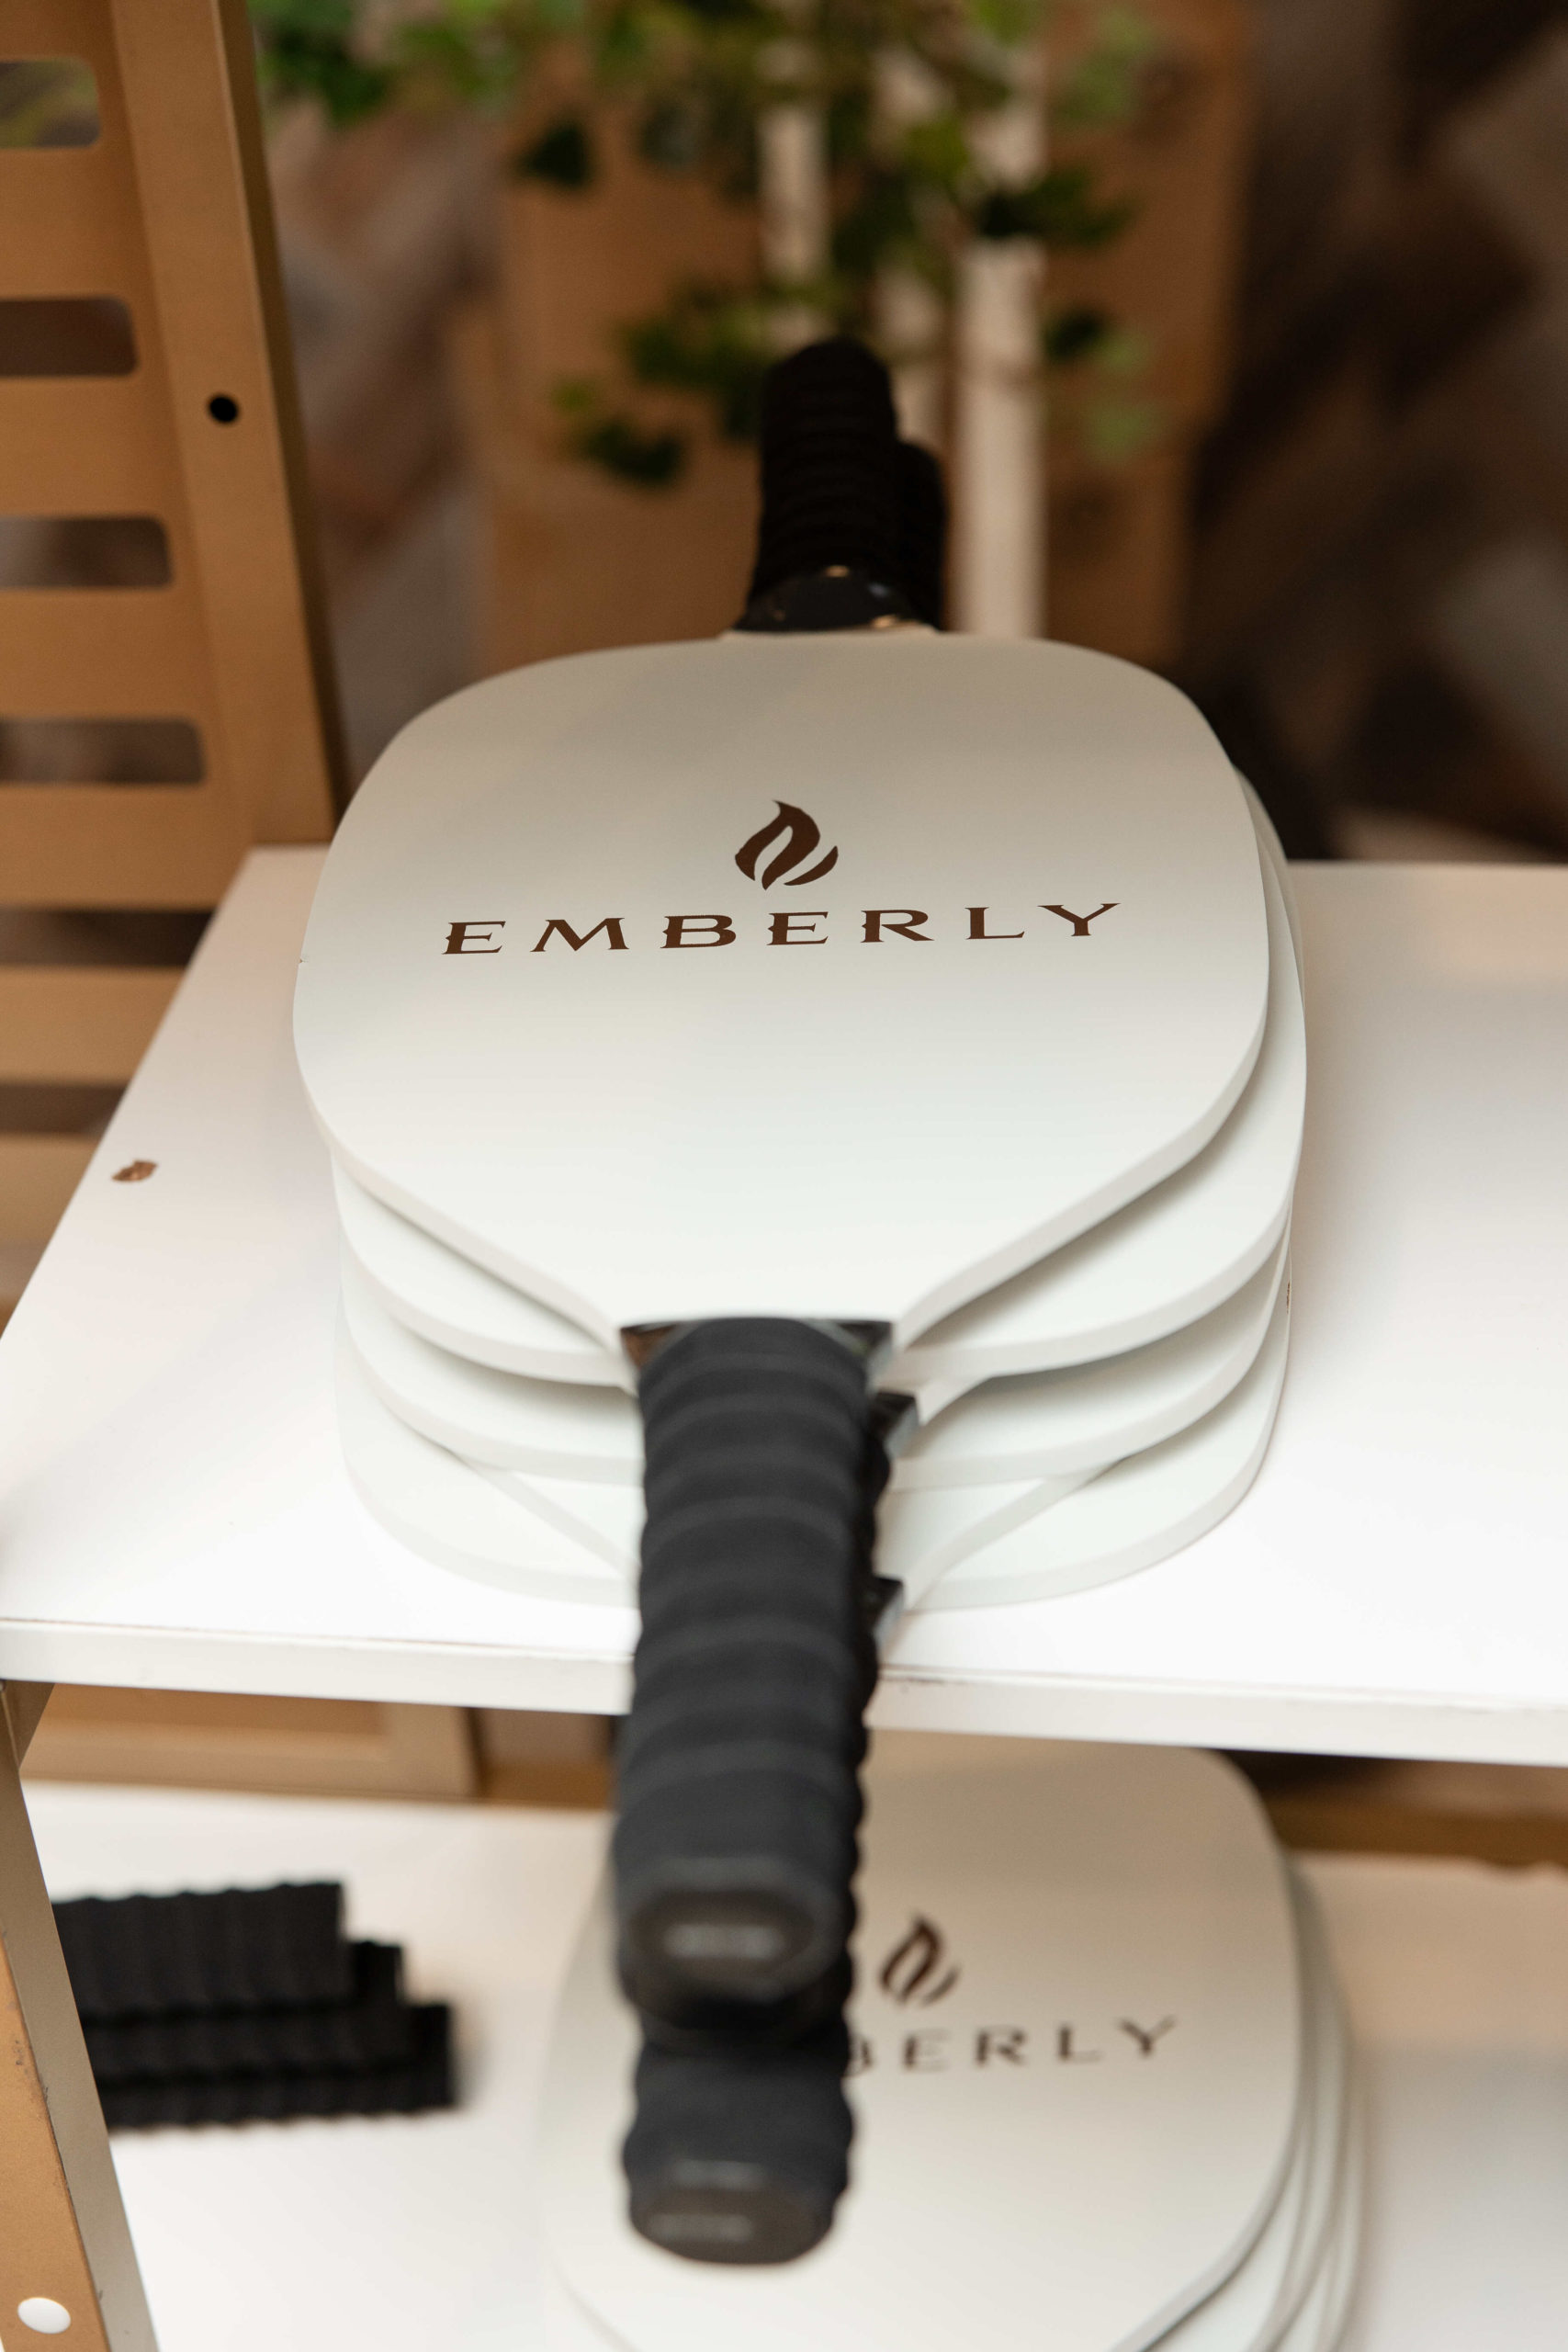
(118, 845)
(91, 446)
(82, 652)
(301, 1746)
(65, 230)
(53, 28)
(90, 1027)
(38, 1176)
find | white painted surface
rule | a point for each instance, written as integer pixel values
(858, 1126)
(405, 2232)
(173, 1509)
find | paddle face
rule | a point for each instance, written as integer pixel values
(834, 978)
(1289, 2291)
(1011, 1916)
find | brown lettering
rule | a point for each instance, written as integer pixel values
(782, 934)
(977, 927)
(1080, 923)
(675, 931)
(457, 937)
(861, 2056)
(1068, 2056)
(611, 927)
(1145, 2035)
(879, 920)
(922, 2056)
(1000, 2042)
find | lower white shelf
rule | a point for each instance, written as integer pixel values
(404, 2233)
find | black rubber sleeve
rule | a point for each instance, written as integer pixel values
(742, 2157)
(830, 482)
(923, 532)
(735, 1851)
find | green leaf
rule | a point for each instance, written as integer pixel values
(709, 341)
(1059, 208)
(1116, 430)
(1073, 335)
(305, 51)
(1105, 86)
(620, 446)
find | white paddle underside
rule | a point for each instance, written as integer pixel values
(1036, 1427)
(570, 1539)
(831, 1127)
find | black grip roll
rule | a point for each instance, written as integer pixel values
(735, 1851)
(922, 531)
(741, 2156)
(830, 468)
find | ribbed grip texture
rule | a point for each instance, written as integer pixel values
(830, 472)
(741, 2156)
(735, 1847)
(150, 1955)
(375, 2028)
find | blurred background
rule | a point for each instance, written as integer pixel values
(1242, 326)
(1289, 293)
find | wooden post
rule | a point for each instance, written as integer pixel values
(65, 2243)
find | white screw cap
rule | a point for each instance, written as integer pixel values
(43, 2315)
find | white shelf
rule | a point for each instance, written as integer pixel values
(173, 1509)
(404, 2233)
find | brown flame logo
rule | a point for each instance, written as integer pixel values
(910, 1968)
(799, 836)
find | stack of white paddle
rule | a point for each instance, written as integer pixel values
(1102, 2087)
(1091, 1413)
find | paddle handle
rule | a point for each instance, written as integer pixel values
(741, 2156)
(735, 1847)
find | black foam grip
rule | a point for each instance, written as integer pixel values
(374, 2029)
(923, 532)
(409, 2086)
(736, 1849)
(741, 2157)
(155, 1955)
(830, 468)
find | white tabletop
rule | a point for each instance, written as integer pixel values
(407, 2231)
(174, 1510)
